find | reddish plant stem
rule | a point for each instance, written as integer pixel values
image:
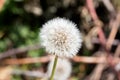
(102, 37)
(96, 20)
(91, 9)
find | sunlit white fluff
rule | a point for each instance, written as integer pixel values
(63, 69)
(60, 36)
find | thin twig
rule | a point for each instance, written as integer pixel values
(29, 73)
(27, 60)
(102, 37)
(19, 50)
(90, 59)
(83, 59)
(97, 41)
(117, 52)
(97, 72)
(109, 5)
(114, 26)
(91, 9)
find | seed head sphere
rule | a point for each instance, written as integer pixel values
(60, 37)
(63, 69)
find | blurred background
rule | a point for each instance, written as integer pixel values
(21, 56)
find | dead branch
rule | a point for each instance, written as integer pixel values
(27, 60)
(83, 59)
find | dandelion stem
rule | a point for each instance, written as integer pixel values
(54, 67)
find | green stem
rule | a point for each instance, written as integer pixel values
(54, 67)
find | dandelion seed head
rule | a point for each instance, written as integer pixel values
(63, 69)
(60, 36)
